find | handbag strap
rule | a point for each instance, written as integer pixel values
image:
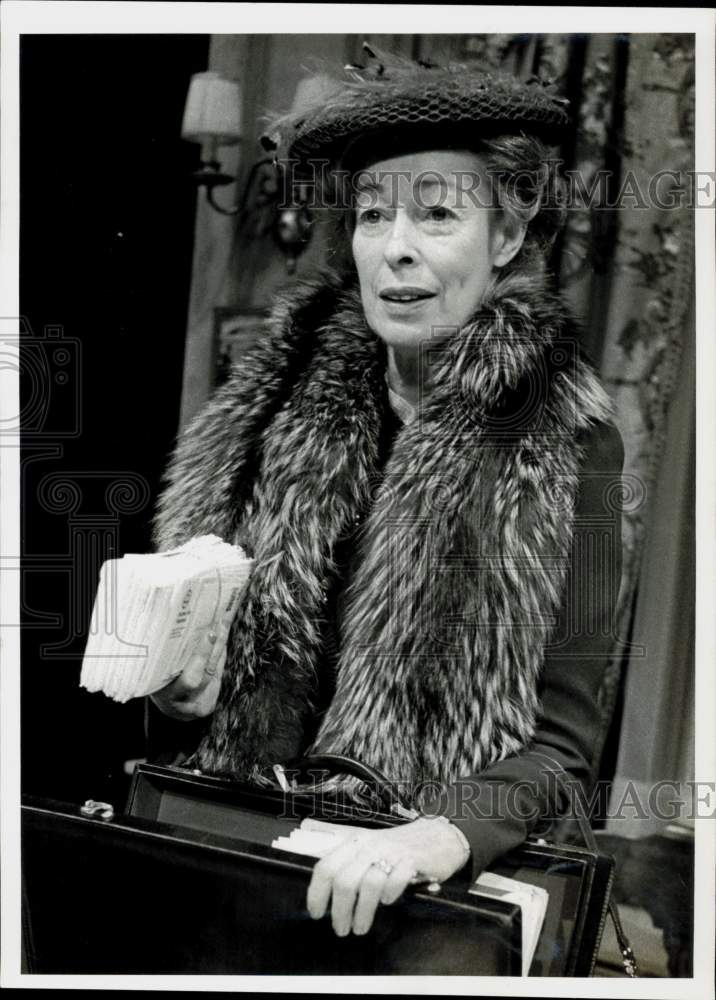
(628, 958)
(627, 953)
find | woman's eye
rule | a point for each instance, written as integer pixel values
(440, 214)
(370, 217)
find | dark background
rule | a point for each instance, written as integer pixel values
(107, 224)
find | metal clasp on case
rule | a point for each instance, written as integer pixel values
(97, 810)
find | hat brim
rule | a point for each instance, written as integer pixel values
(447, 110)
(377, 145)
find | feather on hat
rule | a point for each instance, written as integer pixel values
(396, 95)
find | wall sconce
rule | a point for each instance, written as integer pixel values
(212, 117)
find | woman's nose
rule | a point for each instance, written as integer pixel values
(401, 244)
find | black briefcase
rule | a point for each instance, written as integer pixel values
(187, 882)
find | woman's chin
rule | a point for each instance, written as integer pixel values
(400, 334)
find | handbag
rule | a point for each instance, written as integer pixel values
(193, 886)
(581, 877)
(187, 880)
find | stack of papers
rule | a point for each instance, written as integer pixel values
(316, 838)
(152, 612)
(311, 843)
(531, 899)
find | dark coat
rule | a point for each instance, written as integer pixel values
(466, 553)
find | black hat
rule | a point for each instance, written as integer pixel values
(413, 102)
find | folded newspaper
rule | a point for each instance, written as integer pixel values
(152, 612)
(316, 838)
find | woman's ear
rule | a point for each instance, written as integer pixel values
(508, 234)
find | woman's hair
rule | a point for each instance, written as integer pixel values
(529, 187)
(526, 184)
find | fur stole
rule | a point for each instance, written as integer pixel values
(462, 555)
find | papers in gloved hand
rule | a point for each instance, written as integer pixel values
(152, 612)
(531, 899)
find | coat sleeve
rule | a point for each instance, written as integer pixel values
(498, 808)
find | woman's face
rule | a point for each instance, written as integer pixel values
(425, 243)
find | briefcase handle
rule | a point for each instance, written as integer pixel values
(335, 764)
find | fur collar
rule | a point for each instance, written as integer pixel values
(463, 551)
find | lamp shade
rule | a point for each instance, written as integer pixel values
(213, 110)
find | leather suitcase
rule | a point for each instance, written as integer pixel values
(187, 882)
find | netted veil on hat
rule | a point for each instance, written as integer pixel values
(396, 97)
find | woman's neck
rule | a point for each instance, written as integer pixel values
(407, 377)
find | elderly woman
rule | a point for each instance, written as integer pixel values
(417, 458)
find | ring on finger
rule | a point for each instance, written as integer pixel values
(383, 865)
(402, 876)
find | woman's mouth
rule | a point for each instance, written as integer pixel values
(405, 295)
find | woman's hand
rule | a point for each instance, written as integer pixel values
(375, 866)
(193, 694)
